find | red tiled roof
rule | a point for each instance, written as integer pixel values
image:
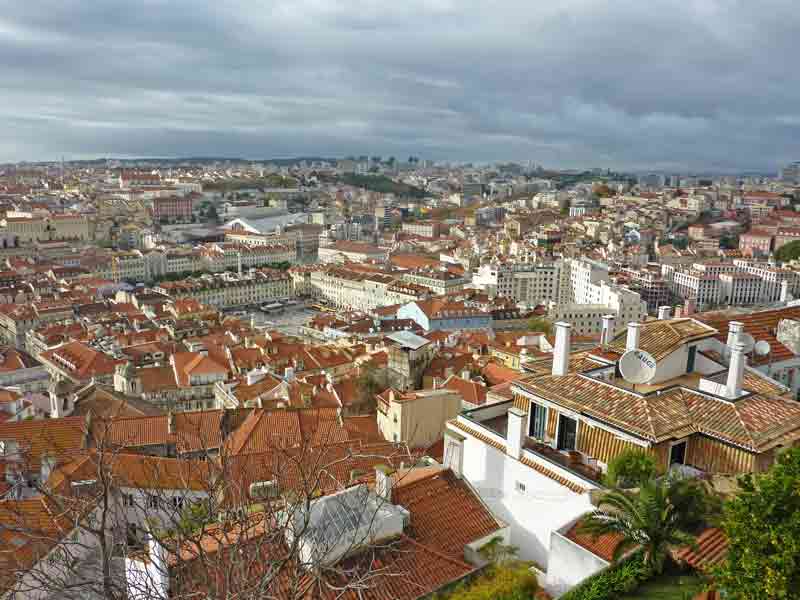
(711, 550)
(445, 512)
(602, 546)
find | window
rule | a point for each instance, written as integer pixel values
(519, 487)
(538, 421)
(127, 499)
(177, 502)
(152, 501)
(677, 454)
(567, 433)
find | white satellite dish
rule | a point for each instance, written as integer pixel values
(637, 366)
(762, 348)
(748, 341)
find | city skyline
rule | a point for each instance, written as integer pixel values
(662, 86)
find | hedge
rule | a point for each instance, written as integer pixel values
(620, 578)
(512, 581)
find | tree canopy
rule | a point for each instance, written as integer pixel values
(762, 523)
(787, 252)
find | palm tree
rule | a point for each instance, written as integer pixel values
(655, 519)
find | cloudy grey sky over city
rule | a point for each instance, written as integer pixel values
(623, 84)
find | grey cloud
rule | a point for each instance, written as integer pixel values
(627, 84)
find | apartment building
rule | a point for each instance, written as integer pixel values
(439, 281)
(358, 290)
(172, 209)
(528, 282)
(427, 229)
(416, 417)
(549, 446)
(774, 281)
(28, 228)
(650, 285)
(229, 290)
(346, 251)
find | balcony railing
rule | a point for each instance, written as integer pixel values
(574, 461)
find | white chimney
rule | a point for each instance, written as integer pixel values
(733, 388)
(664, 312)
(735, 329)
(632, 341)
(170, 423)
(288, 373)
(784, 290)
(384, 482)
(561, 350)
(454, 452)
(515, 432)
(609, 325)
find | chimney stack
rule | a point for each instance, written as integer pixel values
(735, 329)
(561, 350)
(632, 341)
(664, 312)
(609, 324)
(515, 434)
(784, 290)
(170, 423)
(733, 388)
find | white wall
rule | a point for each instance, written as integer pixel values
(532, 515)
(569, 564)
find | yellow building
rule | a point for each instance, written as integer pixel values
(417, 418)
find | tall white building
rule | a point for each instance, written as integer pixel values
(576, 290)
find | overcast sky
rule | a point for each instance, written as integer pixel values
(637, 84)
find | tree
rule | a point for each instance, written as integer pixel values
(788, 252)
(648, 519)
(762, 523)
(630, 469)
(371, 381)
(541, 325)
(212, 522)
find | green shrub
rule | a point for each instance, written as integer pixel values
(510, 581)
(630, 468)
(618, 579)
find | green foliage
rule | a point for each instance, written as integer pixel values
(618, 579)
(630, 468)
(788, 252)
(510, 581)
(495, 551)
(382, 184)
(541, 325)
(194, 518)
(648, 519)
(763, 527)
(370, 381)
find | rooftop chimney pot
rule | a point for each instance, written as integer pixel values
(632, 341)
(561, 350)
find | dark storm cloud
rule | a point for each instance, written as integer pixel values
(662, 83)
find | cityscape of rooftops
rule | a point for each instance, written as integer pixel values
(324, 300)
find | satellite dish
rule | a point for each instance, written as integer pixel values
(748, 341)
(637, 366)
(762, 348)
